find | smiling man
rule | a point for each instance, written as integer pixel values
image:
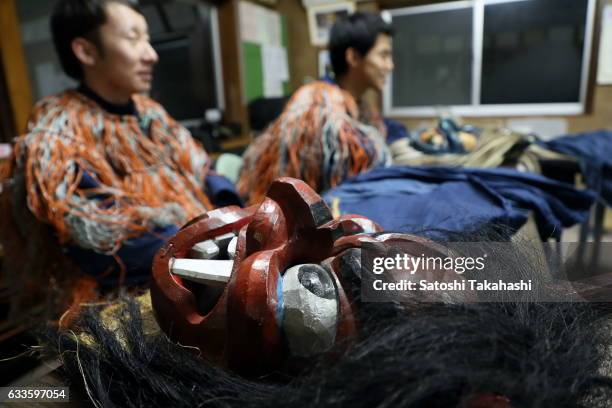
(105, 45)
(104, 165)
(327, 132)
(361, 53)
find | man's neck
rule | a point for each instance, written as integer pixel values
(353, 86)
(107, 92)
(128, 108)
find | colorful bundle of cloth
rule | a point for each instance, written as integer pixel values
(322, 137)
(447, 137)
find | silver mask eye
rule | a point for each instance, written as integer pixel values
(310, 309)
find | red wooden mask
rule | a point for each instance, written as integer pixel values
(283, 293)
(251, 322)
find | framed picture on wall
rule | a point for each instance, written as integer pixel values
(321, 19)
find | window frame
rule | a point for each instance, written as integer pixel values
(475, 108)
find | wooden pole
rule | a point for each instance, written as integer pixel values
(14, 65)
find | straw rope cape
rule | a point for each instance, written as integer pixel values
(100, 178)
(322, 137)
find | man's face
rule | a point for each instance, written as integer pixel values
(126, 59)
(377, 64)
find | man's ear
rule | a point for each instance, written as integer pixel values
(85, 51)
(353, 58)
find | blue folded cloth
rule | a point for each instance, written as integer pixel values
(594, 152)
(461, 200)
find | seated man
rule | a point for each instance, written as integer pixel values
(325, 133)
(104, 165)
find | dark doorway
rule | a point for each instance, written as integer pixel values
(7, 128)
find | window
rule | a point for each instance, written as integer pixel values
(491, 58)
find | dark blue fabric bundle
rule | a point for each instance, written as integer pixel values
(395, 130)
(461, 200)
(594, 151)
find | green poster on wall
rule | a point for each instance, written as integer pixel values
(253, 70)
(265, 65)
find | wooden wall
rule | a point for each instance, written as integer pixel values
(230, 61)
(13, 67)
(303, 56)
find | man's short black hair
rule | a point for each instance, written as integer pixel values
(358, 31)
(78, 18)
